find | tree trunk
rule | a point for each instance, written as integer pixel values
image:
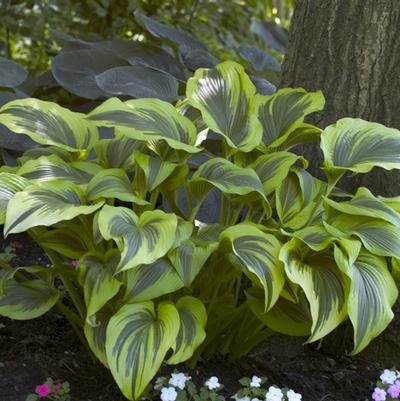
(349, 49)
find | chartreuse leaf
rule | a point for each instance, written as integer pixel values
(273, 168)
(137, 341)
(359, 146)
(96, 276)
(364, 203)
(113, 183)
(378, 236)
(316, 237)
(141, 240)
(228, 103)
(322, 282)
(256, 253)
(147, 119)
(10, 184)
(227, 177)
(26, 300)
(284, 112)
(193, 319)
(49, 124)
(372, 291)
(44, 204)
(146, 282)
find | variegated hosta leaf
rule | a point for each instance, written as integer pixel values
(315, 237)
(150, 281)
(147, 119)
(117, 152)
(26, 300)
(53, 168)
(113, 183)
(189, 258)
(256, 253)
(193, 319)
(49, 124)
(284, 112)
(372, 293)
(47, 151)
(286, 317)
(359, 146)
(96, 276)
(228, 103)
(141, 240)
(302, 134)
(378, 236)
(322, 282)
(273, 168)
(137, 341)
(227, 177)
(10, 184)
(44, 204)
(364, 203)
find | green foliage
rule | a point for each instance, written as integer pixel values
(161, 280)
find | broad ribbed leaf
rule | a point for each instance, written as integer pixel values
(372, 293)
(96, 276)
(141, 240)
(10, 184)
(49, 124)
(315, 237)
(273, 168)
(12, 74)
(193, 319)
(137, 341)
(228, 103)
(146, 120)
(359, 146)
(45, 204)
(227, 177)
(256, 253)
(284, 112)
(147, 282)
(322, 282)
(259, 59)
(113, 183)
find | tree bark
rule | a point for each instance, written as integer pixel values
(349, 49)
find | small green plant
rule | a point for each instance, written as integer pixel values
(153, 279)
(53, 390)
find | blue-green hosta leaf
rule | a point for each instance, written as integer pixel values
(322, 282)
(359, 146)
(44, 204)
(189, 258)
(228, 103)
(372, 293)
(137, 341)
(49, 124)
(96, 276)
(193, 319)
(378, 236)
(141, 240)
(150, 281)
(10, 184)
(147, 120)
(284, 112)
(256, 253)
(273, 168)
(227, 177)
(113, 183)
(364, 203)
(12, 74)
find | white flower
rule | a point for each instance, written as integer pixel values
(212, 383)
(388, 376)
(255, 382)
(168, 394)
(274, 394)
(255, 399)
(236, 398)
(293, 396)
(178, 380)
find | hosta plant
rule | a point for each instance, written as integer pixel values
(154, 279)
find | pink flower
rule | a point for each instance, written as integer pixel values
(394, 389)
(74, 263)
(379, 394)
(43, 390)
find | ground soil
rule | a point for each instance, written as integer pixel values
(31, 351)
